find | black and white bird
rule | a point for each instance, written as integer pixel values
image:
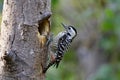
(60, 45)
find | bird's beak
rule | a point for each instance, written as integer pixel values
(64, 26)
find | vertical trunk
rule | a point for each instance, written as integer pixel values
(24, 31)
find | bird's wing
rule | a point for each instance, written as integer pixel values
(54, 43)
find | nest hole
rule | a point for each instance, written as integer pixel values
(44, 27)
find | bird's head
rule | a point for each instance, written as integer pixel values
(71, 31)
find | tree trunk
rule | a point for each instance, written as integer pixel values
(24, 30)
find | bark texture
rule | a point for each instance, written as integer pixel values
(24, 30)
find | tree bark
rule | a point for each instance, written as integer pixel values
(24, 30)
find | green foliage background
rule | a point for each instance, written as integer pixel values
(107, 12)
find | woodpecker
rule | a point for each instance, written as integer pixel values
(60, 45)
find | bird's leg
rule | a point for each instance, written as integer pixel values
(52, 56)
(49, 39)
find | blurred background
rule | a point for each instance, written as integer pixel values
(95, 53)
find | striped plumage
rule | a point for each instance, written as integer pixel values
(62, 48)
(61, 44)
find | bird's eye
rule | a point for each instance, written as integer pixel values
(68, 34)
(69, 28)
